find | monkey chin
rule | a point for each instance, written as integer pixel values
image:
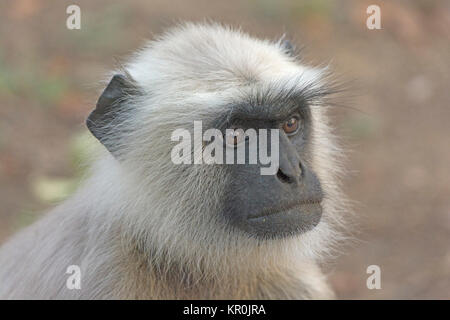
(283, 222)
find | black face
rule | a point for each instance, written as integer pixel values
(280, 205)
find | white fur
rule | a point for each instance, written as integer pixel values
(144, 228)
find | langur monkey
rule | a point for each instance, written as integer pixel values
(143, 227)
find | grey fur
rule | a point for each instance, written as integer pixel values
(142, 228)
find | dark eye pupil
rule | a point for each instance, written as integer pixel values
(291, 125)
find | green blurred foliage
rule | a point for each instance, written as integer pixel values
(31, 80)
(82, 149)
(361, 126)
(24, 218)
(51, 189)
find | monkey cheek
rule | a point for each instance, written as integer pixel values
(295, 221)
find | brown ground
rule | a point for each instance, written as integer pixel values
(398, 127)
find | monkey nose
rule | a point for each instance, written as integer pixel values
(289, 173)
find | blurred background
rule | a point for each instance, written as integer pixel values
(397, 126)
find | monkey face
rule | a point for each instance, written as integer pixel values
(281, 204)
(284, 203)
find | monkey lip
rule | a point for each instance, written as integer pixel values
(282, 209)
(284, 221)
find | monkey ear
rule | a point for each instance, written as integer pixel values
(106, 121)
(288, 48)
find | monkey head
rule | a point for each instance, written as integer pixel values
(225, 79)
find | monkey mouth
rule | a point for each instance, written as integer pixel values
(282, 209)
(280, 222)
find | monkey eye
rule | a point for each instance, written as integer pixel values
(234, 137)
(291, 126)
